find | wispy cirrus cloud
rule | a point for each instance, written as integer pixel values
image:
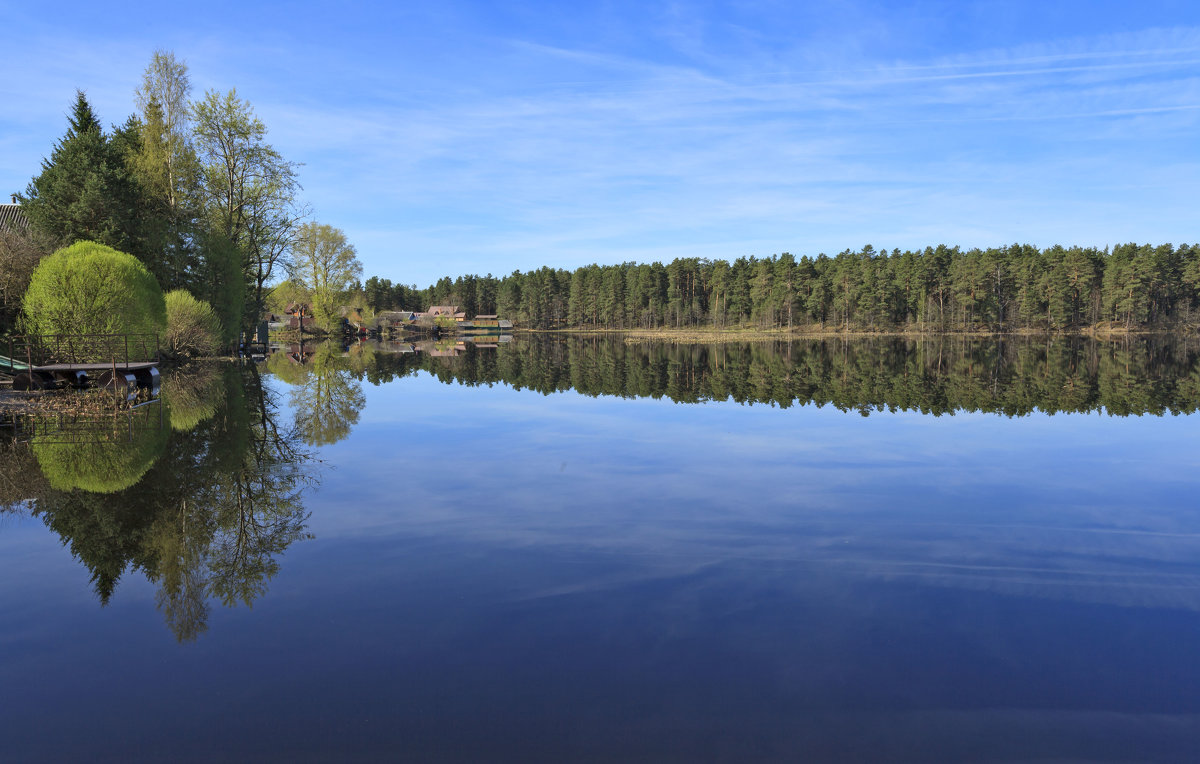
(487, 148)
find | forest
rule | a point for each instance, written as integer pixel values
(938, 289)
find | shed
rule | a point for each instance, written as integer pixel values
(12, 219)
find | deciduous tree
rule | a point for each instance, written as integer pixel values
(248, 189)
(325, 264)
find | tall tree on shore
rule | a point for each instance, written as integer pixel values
(248, 188)
(165, 88)
(165, 165)
(325, 264)
(84, 190)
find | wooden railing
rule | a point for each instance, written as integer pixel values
(45, 349)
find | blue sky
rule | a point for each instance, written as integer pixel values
(457, 137)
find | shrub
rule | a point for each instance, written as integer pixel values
(191, 396)
(88, 288)
(79, 461)
(21, 249)
(192, 327)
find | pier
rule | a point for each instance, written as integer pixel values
(39, 362)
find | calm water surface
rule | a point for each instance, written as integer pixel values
(588, 550)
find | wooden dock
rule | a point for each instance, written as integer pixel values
(107, 360)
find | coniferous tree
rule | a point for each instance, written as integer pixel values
(86, 192)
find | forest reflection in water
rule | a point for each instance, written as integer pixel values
(1011, 376)
(199, 490)
(202, 491)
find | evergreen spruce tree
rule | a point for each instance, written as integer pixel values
(87, 190)
(83, 190)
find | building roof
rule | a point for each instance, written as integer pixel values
(12, 218)
(393, 315)
(442, 310)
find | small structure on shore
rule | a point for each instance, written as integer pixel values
(12, 218)
(486, 323)
(122, 361)
(300, 317)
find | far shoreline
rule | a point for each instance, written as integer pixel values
(730, 334)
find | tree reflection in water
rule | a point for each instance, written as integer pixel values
(208, 519)
(205, 503)
(326, 393)
(1011, 376)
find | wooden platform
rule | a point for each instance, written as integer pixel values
(128, 376)
(132, 366)
(35, 362)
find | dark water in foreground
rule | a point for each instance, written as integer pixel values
(709, 555)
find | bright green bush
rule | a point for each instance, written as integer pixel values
(82, 461)
(192, 395)
(192, 327)
(88, 288)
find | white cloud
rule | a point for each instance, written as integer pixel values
(554, 152)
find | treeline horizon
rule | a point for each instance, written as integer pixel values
(1135, 287)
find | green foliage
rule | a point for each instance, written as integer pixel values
(192, 327)
(192, 189)
(88, 288)
(284, 294)
(99, 466)
(325, 265)
(248, 191)
(192, 396)
(86, 189)
(220, 283)
(163, 98)
(939, 288)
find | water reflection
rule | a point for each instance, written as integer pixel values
(326, 393)
(202, 507)
(937, 375)
(98, 452)
(201, 491)
(741, 582)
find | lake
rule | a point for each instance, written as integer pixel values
(586, 549)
